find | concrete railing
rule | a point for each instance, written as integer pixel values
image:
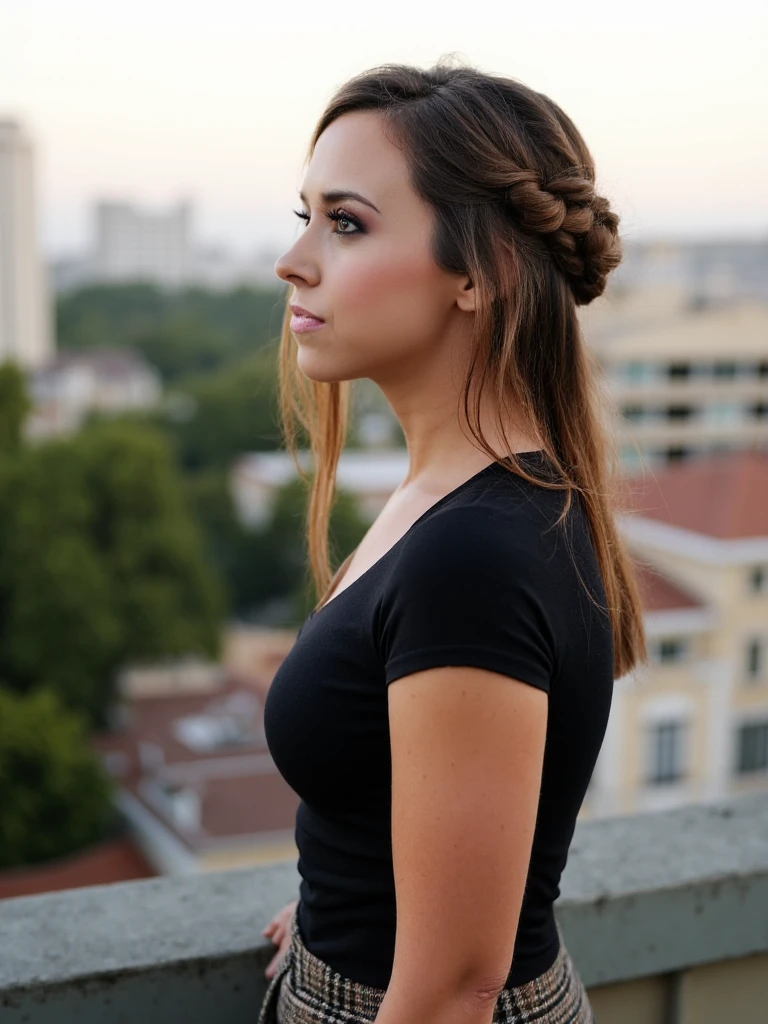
(665, 915)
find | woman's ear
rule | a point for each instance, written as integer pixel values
(466, 297)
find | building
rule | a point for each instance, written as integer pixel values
(717, 269)
(76, 383)
(134, 244)
(115, 859)
(686, 380)
(196, 782)
(693, 725)
(369, 475)
(25, 314)
(131, 243)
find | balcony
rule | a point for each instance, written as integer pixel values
(665, 915)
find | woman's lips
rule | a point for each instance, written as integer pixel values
(302, 324)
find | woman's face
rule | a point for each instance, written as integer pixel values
(387, 306)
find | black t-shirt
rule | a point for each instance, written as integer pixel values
(482, 578)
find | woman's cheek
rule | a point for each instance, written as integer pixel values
(384, 287)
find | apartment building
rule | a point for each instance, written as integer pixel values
(686, 379)
(692, 725)
(75, 383)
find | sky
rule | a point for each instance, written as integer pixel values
(155, 102)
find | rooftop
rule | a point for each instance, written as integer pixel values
(722, 496)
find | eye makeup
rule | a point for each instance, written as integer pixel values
(338, 214)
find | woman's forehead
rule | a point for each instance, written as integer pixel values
(354, 154)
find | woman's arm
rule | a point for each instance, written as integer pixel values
(467, 754)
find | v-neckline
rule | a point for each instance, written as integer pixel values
(440, 501)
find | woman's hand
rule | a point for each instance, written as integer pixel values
(278, 930)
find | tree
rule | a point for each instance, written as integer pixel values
(58, 618)
(167, 598)
(14, 406)
(180, 331)
(100, 564)
(248, 560)
(287, 536)
(235, 411)
(56, 797)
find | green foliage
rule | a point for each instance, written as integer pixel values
(56, 796)
(286, 533)
(167, 599)
(261, 565)
(100, 563)
(234, 411)
(14, 406)
(58, 620)
(247, 559)
(180, 332)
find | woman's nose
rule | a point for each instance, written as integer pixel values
(282, 266)
(293, 265)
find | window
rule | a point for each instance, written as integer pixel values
(679, 412)
(758, 579)
(755, 658)
(679, 371)
(723, 414)
(752, 748)
(666, 754)
(637, 373)
(669, 650)
(724, 370)
(677, 453)
(634, 413)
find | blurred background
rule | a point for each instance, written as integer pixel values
(152, 560)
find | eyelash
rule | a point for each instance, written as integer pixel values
(337, 214)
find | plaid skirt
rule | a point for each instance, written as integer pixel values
(305, 990)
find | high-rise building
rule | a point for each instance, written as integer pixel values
(25, 315)
(135, 244)
(132, 243)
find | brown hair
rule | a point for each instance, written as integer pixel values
(511, 182)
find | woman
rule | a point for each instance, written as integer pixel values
(442, 709)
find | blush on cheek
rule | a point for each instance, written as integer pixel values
(404, 282)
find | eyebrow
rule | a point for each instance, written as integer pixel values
(341, 193)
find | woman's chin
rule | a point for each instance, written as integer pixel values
(317, 368)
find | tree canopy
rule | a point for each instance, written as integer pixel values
(14, 406)
(56, 795)
(181, 332)
(100, 563)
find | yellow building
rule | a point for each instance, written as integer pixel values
(693, 724)
(685, 380)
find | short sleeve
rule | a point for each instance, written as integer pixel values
(469, 589)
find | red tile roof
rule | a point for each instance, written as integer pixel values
(114, 860)
(660, 594)
(242, 792)
(723, 496)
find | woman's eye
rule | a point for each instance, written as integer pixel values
(340, 217)
(344, 218)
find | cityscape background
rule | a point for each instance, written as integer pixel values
(153, 567)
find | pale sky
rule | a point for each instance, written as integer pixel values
(157, 101)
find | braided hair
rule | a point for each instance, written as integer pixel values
(578, 226)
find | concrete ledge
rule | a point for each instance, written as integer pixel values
(662, 891)
(166, 949)
(641, 896)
